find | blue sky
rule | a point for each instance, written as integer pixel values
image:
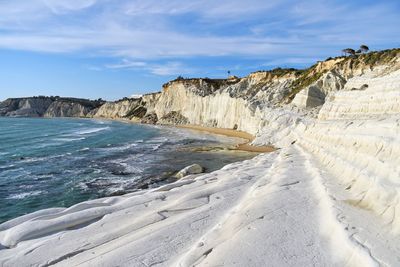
(116, 48)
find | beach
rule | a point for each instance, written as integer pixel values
(57, 162)
(245, 146)
(329, 196)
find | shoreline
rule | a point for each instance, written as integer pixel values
(231, 148)
(246, 146)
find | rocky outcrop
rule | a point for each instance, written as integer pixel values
(365, 96)
(315, 94)
(47, 107)
(67, 109)
(174, 118)
(123, 109)
(25, 107)
(233, 103)
(249, 104)
(150, 118)
(312, 86)
(192, 169)
(333, 187)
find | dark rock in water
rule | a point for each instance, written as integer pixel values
(122, 173)
(150, 182)
(144, 186)
(150, 118)
(189, 141)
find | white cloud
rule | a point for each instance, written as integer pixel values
(141, 31)
(61, 6)
(207, 8)
(170, 68)
(126, 64)
(290, 61)
(165, 69)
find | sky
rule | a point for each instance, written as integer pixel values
(114, 48)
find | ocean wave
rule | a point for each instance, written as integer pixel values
(101, 122)
(11, 166)
(129, 168)
(65, 139)
(24, 195)
(44, 158)
(91, 130)
(156, 143)
(119, 148)
(156, 147)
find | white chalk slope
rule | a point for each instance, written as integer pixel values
(328, 197)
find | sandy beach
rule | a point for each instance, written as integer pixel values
(246, 146)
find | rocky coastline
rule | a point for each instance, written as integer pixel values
(328, 197)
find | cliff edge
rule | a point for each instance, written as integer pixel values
(328, 197)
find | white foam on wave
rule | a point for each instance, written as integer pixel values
(157, 142)
(7, 167)
(119, 148)
(25, 195)
(65, 139)
(44, 158)
(156, 147)
(91, 130)
(101, 122)
(130, 168)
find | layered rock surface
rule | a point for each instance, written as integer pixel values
(48, 107)
(328, 197)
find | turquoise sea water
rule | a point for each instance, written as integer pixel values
(60, 162)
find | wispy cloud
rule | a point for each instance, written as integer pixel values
(171, 68)
(138, 32)
(161, 69)
(63, 6)
(126, 64)
(219, 9)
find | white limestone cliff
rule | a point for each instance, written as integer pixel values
(329, 196)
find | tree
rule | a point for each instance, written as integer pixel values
(364, 48)
(349, 51)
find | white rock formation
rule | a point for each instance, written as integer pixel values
(315, 94)
(67, 109)
(381, 96)
(192, 169)
(47, 107)
(116, 110)
(328, 197)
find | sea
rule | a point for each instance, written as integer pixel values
(59, 162)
